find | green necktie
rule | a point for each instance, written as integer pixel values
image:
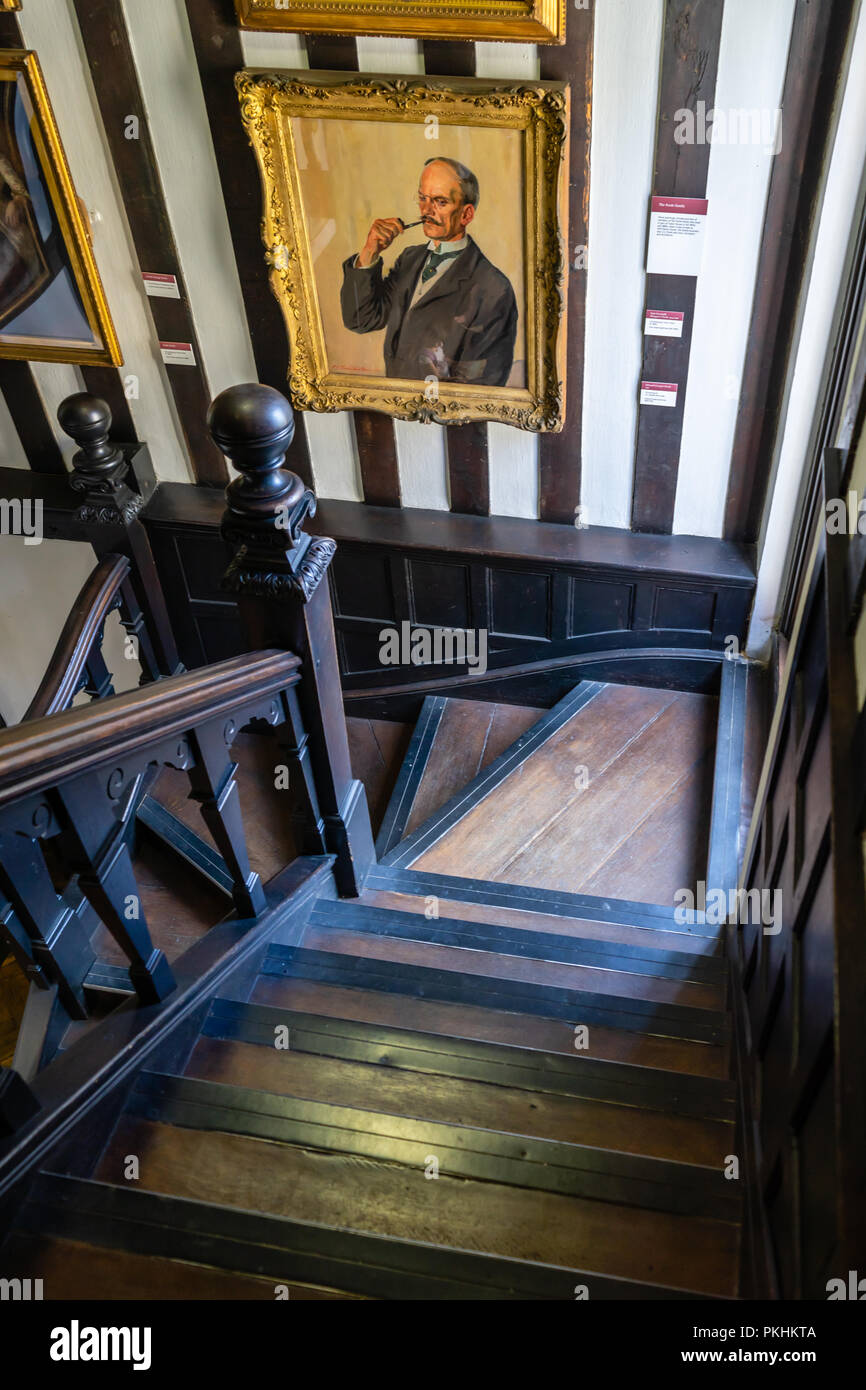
(434, 260)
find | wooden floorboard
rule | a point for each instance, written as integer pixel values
(390, 1199)
(452, 1100)
(491, 965)
(471, 734)
(492, 1025)
(624, 781)
(377, 748)
(578, 928)
(72, 1270)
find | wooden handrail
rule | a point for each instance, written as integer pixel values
(45, 752)
(82, 631)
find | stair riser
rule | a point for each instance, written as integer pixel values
(574, 1006)
(545, 1165)
(285, 1250)
(478, 936)
(581, 1077)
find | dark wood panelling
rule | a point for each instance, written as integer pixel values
(115, 81)
(107, 384)
(690, 56)
(815, 59)
(29, 417)
(465, 445)
(559, 456)
(804, 973)
(544, 594)
(374, 432)
(217, 44)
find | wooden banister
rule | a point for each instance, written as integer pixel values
(81, 636)
(42, 753)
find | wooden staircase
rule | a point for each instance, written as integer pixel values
(451, 1087)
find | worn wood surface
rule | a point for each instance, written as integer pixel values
(369, 1195)
(455, 1101)
(471, 734)
(645, 758)
(493, 1025)
(376, 748)
(72, 1270)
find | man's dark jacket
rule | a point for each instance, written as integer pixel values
(462, 329)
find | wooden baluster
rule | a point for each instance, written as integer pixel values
(276, 575)
(98, 682)
(109, 511)
(95, 847)
(134, 624)
(212, 778)
(60, 946)
(294, 742)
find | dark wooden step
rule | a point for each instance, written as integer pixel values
(379, 1197)
(283, 1249)
(458, 977)
(622, 1085)
(423, 1083)
(580, 906)
(474, 1022)
(524, 941)
(518, 1160)
(486, 782)
(77, 1270)
(704, 951)
(453, 741)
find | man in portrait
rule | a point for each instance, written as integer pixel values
(446, 309)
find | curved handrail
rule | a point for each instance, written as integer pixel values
(44, 752)
(81, 633)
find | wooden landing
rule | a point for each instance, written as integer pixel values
(616, 803)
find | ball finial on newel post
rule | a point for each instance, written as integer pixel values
(99, 468)
(267, 503)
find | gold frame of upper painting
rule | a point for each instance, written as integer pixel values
(10, 4)
(524, 21)
(70, 225)
(539, 111)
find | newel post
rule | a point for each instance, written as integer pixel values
(108, 514)
(278, 575)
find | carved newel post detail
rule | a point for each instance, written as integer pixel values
(109, 515)
(278, 576)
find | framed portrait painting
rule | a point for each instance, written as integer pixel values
(415, 233)
(524, 21)
(52, 305)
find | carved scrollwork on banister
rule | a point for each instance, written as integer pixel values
(252, 581)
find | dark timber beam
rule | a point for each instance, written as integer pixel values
(559, 455)
(690, 57)
(115, 80)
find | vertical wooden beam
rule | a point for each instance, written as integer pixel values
(465, 445)
(374, 432)
(559, 455)
(30, 417)
(217, 43)
(115, 80)
(690, 59)
(818, 42)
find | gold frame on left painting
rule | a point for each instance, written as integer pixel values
(71, 219)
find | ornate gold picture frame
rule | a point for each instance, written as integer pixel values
(52, 304)
(483, 340)
(525, 21)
